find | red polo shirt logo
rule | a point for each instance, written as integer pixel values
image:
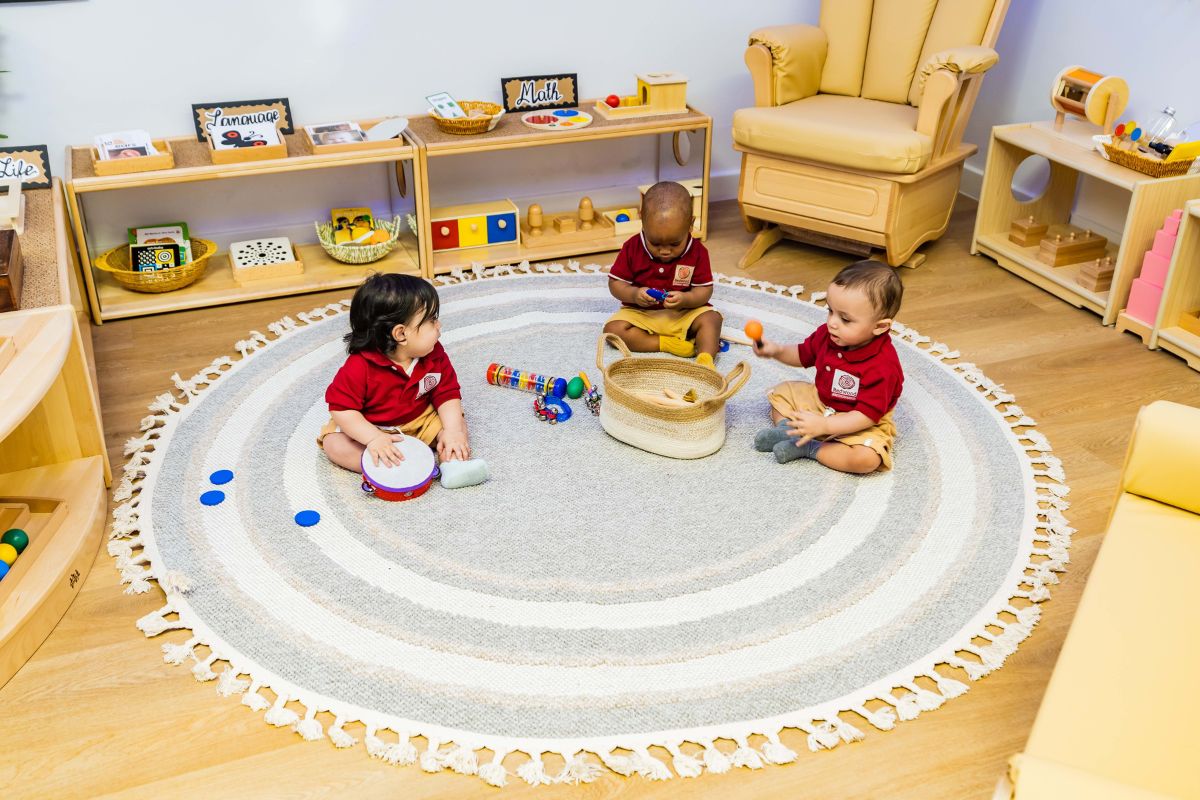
(429, 382)
(845, 385)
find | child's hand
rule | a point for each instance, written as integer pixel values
(644, 299)
(453, 445)
(383, 451)
(806, 426)
(673, 300)
(766, 349)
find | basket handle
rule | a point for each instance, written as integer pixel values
(615, 341)
(735, 379)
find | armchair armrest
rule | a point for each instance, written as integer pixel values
(940, 79)
(1164, 455)
(785, 62)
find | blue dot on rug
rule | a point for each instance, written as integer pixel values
(212, 497)
(221, 476)
(306, 519)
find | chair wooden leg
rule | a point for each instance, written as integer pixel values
(763, 242)
(914, 261)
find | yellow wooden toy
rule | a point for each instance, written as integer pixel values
(657, 93)
(1099, 99)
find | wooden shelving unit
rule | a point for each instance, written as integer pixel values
(193, 163)
(1071, 156)
(512, 134)
(53, 484)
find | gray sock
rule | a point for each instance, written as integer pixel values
(767, 438)
(788, 450)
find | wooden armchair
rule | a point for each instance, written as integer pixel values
(855, 139)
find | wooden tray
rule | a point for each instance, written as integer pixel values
(602, 228)
(240, 155)
(355, 147)
(249, 275)
(629, 228)
(165, 159)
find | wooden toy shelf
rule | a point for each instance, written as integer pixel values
(193, 163)
(512, 134)
(1071, 156)
(53, 484)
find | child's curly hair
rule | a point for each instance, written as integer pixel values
(880, 283)
(384, 301)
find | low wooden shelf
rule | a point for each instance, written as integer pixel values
(52, 452)
(193, 163)
(1071, 157)
(512, 134)
(1181, 292)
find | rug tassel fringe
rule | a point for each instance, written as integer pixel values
(338, 735)
(229, 684)
(156, 622)
(493, 773)
(308, 728)
(577, 769)
(685, 766)
(533, 771)
(776, 752)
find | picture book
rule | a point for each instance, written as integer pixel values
(153, 257)
(258, 134)
(352, 225)
(166, 233)
(336, 133)
(124, 144)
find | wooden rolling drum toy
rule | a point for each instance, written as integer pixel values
(1099, 99)
(409, 479)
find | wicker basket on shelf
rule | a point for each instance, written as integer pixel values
(1154, 167)
(359, 253)
(116, 263)
(465, 126)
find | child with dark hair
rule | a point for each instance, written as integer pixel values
(844, 418)
(397, 381)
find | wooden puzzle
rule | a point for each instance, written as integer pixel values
(1070, 245)
(540, 230)
(473, 225)
(1097, 275)
(563, 119)
(1027, 231)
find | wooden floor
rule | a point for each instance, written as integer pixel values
(96, 712)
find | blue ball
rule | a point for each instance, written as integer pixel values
(560, 388)
(724, 345)
(3, 570)
(306, 519)
(212, 498)
(622, 218)
(221, 476)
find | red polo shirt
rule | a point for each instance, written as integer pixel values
(635, 265)
(385, 394)
(867, 379)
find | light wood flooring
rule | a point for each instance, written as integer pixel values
(96, 712)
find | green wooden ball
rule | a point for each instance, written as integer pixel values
(18, 538)
(575, 388)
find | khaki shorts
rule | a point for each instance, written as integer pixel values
(425, 427)
(792, 396)
(663, 321)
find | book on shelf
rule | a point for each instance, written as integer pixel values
(167, 233)
(124, 144)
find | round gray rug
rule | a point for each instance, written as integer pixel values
(592, 601)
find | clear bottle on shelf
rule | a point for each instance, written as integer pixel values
(1160, 127)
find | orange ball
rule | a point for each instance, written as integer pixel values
(754, 330)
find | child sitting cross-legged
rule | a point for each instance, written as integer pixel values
(397, 382)
(664, 257)
(844, 418)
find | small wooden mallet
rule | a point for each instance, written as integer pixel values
(754, 330)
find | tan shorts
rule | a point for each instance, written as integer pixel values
(425, 427)
(792, 396)
(663, 321)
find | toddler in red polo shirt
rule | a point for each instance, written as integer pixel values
(397, 381)
(664, 257)
(844, 418)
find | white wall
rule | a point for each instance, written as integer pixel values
(89, 66)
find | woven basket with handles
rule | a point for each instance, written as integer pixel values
(692, 431)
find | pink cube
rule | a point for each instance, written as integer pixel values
(1154, 269)
(1143, 301)
(1164, 243)
(1171, 225)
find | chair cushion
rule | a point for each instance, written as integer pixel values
(847, 24)
(1122, 702)
(1164, 455)
(1039, 779)
(898, 29)
(842, 131)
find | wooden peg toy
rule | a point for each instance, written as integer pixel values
(587, 214)
(535, 220)
(1078, 245)
(1027, 231)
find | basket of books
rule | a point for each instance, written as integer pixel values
(481, 118)
(116, 262)
(359, 245)
(667, 406)
(1153, 166)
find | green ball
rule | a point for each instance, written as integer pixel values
(575, 388)
(18, 538)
